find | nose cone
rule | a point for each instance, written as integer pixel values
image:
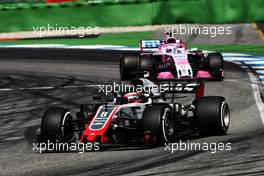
(165, 75)
(203, 74)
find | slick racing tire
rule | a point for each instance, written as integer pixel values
(128, 66)
(57, 125)
(158, 121)
(212, 115)
(146, 63)
(216, 65)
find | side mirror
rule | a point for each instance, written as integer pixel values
(97, 97)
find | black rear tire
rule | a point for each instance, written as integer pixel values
(157, 120)
(57, 125)
(212, 114)
(128, 65)
(216, 64)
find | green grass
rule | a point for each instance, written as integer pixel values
(254, 49)
(126, 39)
(131, 39)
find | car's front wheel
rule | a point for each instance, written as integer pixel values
(146, 64)
(216, 65)
(57, 125)
(128, 66)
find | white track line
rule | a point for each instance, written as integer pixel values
(242, 59)
(260, 71)
(257, 96)
(255, 62)
(255, 88)
(257, 67)
(46, 87)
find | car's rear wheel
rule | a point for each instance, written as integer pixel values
(216, 65)
(57, 125)
(212, 115)
(128, 66)
(158, 121)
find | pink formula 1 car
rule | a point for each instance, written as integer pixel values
(169, 59)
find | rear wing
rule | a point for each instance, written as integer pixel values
(183, 86)
(150, 45)
(172, 86)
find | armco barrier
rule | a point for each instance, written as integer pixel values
(131, 13)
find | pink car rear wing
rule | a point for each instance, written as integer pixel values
(149, 45)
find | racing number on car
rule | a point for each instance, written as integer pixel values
(103, 114)
(102, 117)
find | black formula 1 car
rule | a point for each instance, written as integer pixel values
(149, 117)
(169, 59)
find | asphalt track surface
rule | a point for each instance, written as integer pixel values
(29, 85)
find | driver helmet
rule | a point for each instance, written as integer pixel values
(170, 40)
(170, 49)
(134, 97)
